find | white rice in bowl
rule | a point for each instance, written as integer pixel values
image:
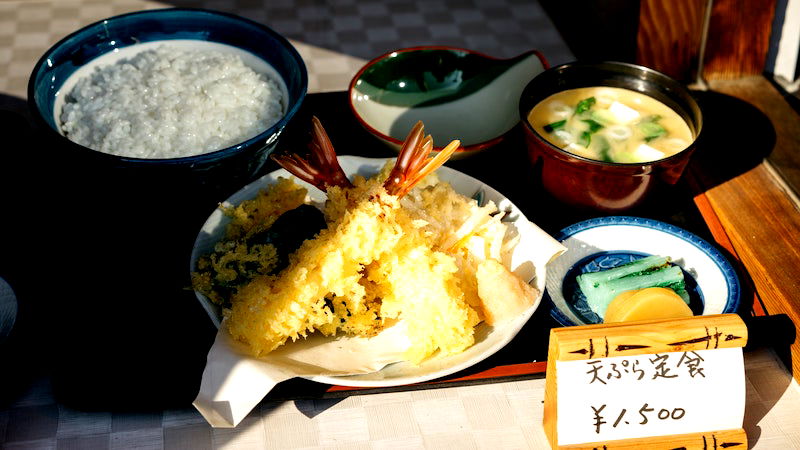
(170, 102)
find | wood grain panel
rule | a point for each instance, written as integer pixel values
(738, 38)
(764, 228)
(669, 33)
(669, 37)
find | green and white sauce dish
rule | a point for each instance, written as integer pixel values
(457, 93)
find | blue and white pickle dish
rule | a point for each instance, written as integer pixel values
(458, 94)
(607, 242)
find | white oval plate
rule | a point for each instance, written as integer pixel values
(606, 242)
(488, 339)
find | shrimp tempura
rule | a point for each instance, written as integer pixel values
(371, 264)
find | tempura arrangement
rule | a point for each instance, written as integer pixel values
(400, 246)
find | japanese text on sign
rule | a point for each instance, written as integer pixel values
(687, 364)
(657, 394)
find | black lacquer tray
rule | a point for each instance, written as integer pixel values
(103, 282)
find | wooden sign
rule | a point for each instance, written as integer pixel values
(655, 384)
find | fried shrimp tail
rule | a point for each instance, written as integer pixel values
(413, 164)
(322, 169)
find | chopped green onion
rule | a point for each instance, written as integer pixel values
(585, 104)
(593, 125)
(585, 139)
(602, 116)
(651, 130)
(555, 125)
(605, 148)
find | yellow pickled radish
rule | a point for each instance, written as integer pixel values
(647, 304)
(623, 295)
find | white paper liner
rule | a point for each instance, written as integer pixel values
(234, 382)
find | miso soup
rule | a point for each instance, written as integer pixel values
(611, 124)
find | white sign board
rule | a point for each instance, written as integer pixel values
(605, 399)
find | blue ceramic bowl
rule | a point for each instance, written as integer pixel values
(223, 169)
(606, 242)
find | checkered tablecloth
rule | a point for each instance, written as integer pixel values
(335, 38)
(490, 416)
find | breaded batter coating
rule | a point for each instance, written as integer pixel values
(398, 246)
(372, 263)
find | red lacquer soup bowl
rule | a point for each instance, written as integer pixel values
(599, 185)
